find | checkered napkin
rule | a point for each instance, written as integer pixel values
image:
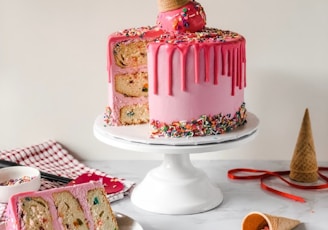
(52, 158)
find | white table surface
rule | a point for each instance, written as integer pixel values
(240, 197)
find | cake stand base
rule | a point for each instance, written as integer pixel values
(176, 187)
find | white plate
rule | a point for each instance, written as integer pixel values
(124, 223)
(141, 134)
(127, 223)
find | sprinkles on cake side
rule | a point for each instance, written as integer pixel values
(204, 126)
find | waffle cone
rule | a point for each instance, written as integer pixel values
(303, 167)
(167, 5)
(258, 220)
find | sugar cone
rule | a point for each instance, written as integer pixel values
(167, 5)
(304, 167)
(258, 220)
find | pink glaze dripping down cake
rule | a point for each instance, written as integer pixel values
(193, 76)
(81, 206)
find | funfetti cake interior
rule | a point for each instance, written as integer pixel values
(181, 77)
(81, 206)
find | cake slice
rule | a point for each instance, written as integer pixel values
(79, 207)
(70, 211)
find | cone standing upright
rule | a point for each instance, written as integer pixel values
(304, 167)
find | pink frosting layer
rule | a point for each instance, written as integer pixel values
(188, 18)
(79, 191)
(196, 74)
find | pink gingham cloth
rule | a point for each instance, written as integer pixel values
(52, 158)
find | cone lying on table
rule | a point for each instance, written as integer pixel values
(259, 221)
(167, 5)
(304, 167)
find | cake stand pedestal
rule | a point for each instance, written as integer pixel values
(176, 186)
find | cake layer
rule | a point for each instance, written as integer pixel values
(130, 54)
(132, 84)
(70, 211)
(134, 114)
(81, 206)
(36, 214)
(128, 39)
(100, 215)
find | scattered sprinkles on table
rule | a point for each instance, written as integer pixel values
(16, 181)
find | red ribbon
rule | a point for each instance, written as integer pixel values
(264, 174)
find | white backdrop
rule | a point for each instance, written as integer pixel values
(53, 71)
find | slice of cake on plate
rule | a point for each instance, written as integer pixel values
(81, 206)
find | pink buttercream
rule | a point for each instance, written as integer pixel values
(188, 18)
(196, 74)
(175, 96)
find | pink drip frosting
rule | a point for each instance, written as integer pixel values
(231, 54)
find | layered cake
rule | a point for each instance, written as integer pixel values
(181, 77)
(81, 206)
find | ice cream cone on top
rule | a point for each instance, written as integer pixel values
(304, 167)
(259, 221)
(167, 5)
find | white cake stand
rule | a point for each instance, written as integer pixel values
(176, 186)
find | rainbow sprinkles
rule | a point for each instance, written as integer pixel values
(204, 126)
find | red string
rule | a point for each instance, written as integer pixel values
(264, 174)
